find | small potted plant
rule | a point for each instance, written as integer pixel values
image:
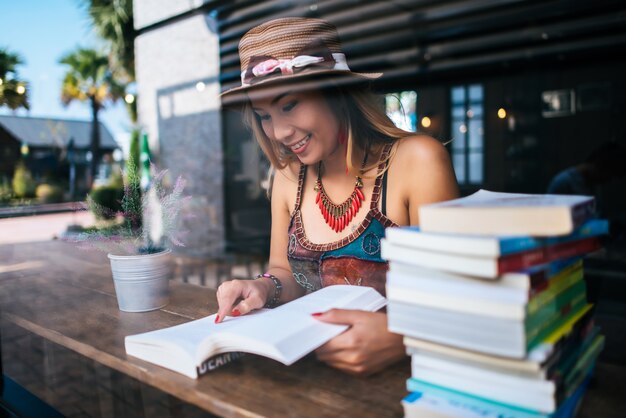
(139, 246)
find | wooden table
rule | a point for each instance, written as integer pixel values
(66, 296)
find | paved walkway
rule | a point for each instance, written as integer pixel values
(40, 227)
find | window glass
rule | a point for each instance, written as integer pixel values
(458, 161)
(400, 108)
(476, 167)
(467, 132)
(458, 112)
(476, 93)
(475, 132)
(458, 95)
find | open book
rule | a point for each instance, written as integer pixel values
(285, 334)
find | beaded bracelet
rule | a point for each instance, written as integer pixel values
(278, 288)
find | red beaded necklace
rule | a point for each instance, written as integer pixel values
(338, 216)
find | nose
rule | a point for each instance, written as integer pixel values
(283, 130)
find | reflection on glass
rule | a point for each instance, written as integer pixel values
(458, 144)
(475, 133)
(400, 108)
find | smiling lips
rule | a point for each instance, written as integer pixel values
(300, 144)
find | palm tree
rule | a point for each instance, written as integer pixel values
(113, 21)
(88, 78)
(13, 91)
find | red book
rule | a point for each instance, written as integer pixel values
(487, 267)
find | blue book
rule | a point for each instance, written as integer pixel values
(486, 245)
(430, 400)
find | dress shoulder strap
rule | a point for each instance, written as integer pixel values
(300, 186)
(384, 161)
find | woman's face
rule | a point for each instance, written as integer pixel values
(301, 121)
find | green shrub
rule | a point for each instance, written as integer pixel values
(106, 201)
(23, 183)
(49, 193)
(6, 193)
(116, 179)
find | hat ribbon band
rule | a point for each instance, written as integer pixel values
(288, 66)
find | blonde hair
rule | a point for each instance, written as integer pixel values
(363, 119)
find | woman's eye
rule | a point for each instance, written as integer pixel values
(289, 106)
(263, 117)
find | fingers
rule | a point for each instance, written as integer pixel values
(238, 297)
(340, 316)
(252, 302)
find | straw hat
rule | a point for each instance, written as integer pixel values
(288, 49)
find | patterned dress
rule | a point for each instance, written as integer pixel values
(353, 260)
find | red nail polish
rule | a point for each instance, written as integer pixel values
(316, 314)
(217, 318)
(235, 312)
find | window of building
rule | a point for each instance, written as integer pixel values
(467, 132)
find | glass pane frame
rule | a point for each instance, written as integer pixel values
(467, 133)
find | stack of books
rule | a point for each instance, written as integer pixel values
(490, 297)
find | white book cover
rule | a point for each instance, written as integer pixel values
(494, 213)
(513, 283)
(478, 373)
(532, 365)
(483, 267)
(458, 303)
(285, 334)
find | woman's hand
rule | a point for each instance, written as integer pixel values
(238, 297)
(365, 348)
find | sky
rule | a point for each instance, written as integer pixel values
(41, 32)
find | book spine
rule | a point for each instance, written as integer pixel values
(572, 248)
(217, 361)
(555, 252)
(521, 261)
(556, 285)
(572, 309)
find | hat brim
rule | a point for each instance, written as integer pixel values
(306, 80)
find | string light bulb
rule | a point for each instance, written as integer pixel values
(426, 122)
(501, 113)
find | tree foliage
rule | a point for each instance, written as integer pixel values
(113, 21)
(89, 79)
(13, 90)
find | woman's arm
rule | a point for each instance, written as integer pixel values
(238, 297)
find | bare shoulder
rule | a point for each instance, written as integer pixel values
(285, 184)
(422, 173)
(419, 151)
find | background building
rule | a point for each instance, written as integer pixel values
(48, 146)
(522, 89)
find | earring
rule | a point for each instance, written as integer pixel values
(342, 136)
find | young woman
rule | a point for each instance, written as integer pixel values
(344, 173)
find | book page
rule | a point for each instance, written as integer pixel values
(285, 333)
(290, 328)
